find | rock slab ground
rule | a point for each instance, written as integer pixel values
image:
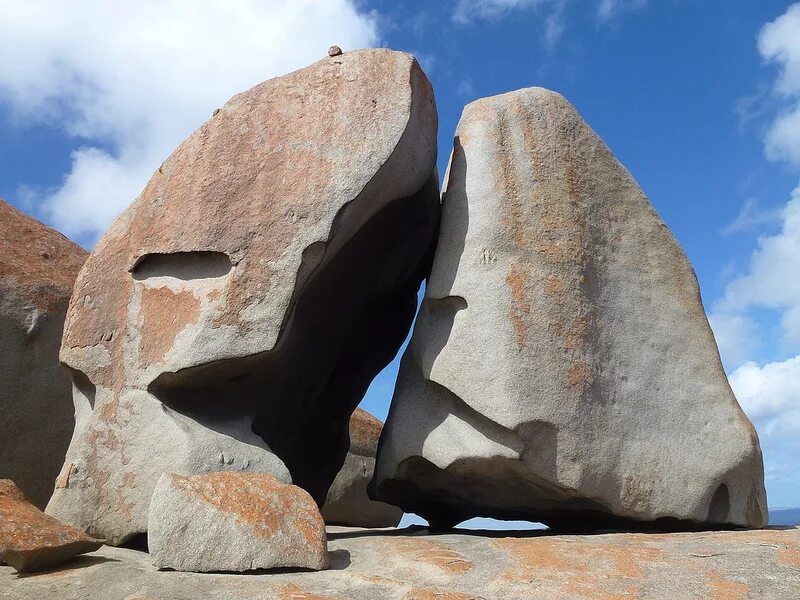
(562, 368)
(32, 541)
(347, 502)
(229, 521)
(234, 315)
(407, 564)
(38, 267)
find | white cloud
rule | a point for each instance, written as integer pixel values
(608, 9)
(770, 395)
(131, 80)
(736, 335)
(779, 43)
(771, 280)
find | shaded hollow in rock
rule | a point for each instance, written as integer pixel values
(345, 324)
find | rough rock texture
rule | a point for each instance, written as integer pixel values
(406, 565)
(347, 502)
(38, 267)
(235, 313)
(228, 521)
(562, 368)
(32, 541)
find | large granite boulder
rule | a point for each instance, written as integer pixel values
(234, 315)
(33, 541)
(561, 368)
(228, 521)
(347, 502)
(38, 267)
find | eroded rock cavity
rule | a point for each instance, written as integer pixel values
(234, 315)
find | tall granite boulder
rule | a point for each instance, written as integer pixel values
(38, 267)
(562, 368)
(347, 502)
(234, 315)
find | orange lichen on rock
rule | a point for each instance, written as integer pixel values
(31, 540)
(365, 430)
(519, 308)
(720, 588)
(293, 591)
(790, 556)
(432, 553)
(166, 313)
(586, 565)
(257, 499)
(37, 263)
(434, 594)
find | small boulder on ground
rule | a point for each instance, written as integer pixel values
(33, 541)
(228, 521)
(347, 502)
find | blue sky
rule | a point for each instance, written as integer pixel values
(699, 100)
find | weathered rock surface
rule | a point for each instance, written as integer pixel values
(562, 368)
(228, 521)
(236, 312)
(406, 565)
(32, 541)
(347, 502)
(38, 267)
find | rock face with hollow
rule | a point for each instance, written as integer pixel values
(347, 502)
(234, 315)
(32, 541)
(38, 267)
(229, 521)
(562, 368)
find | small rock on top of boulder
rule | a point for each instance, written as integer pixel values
(347, 502)
(228, 521)
(33, 541)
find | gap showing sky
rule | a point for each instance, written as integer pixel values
(699, 100)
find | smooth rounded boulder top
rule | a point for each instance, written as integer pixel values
(38, 267)
(229, 521)
(32, 541)
(234, 315)
(562, 368)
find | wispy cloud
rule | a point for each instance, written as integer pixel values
(467, 11)
(131, 81)
(752, 217)
(555, 13)
(608, 9)
(465, 88)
